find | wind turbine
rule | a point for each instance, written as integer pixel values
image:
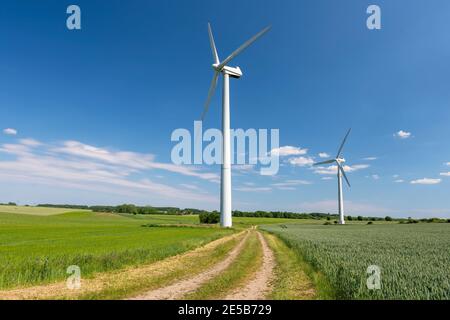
(227, 72)
(340, 173)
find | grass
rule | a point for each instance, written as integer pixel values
(38, 249)
(131, 282)
(293, 275)
(36, 211)
(246, 264)
(414, 259)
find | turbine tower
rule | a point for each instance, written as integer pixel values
(340, 173)
(227, 72)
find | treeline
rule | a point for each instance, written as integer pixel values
(284, 214)
(133, 209)
(127, 208)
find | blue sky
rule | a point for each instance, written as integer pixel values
(94, 109)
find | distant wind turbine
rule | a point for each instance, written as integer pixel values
(340, 173)
(227, 72)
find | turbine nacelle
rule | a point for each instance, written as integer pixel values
(340, 160)
(232, 72)
(221, 66)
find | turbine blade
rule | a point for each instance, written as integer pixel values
(243, 47)
(324, 162)
(211, 91)
(342, 144)
(213, 45)
(343, 173)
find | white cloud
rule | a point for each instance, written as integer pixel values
(327, 178)
(132, 160)
(399, 181)
(10, 131)
(370, 158)
(190, 186)
(84, 167)
(324, 155)
(333, 169)
(402, 134)
(448, 164)
(253, 189)
(301, 161)
(395, 176)
(375, 177)
(426, 181)
(289, 151)
(290, 184)
(243, 167)
(445, 174)
(30, 142)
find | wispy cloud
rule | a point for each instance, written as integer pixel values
(253, 189)
(426, 181)
(289, 151)
(445, 174)
(399, 181)
(375, 177)
(333, 169)
(402, 134)
(301, 161)
(30, 142)
(290, 184)
(324, 155)
(73, 164)
(10, 131)
(370, 158)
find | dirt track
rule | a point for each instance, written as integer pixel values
(180, 288)
(258, 287)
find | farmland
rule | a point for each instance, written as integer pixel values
(414, 259)
(37, 244)
(38, 248)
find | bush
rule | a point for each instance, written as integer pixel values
(327, 224)
(370, 222)
(388, 218)
(209, 217)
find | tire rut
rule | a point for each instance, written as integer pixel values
(260, 285)
(179, 289)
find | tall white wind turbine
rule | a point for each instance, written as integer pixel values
(340, 173)
(227, 72)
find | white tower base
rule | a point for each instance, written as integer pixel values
(340, 198)
(225, 190)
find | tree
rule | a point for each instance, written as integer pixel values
(388, 218)
(360, 218)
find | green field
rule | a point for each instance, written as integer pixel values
(37, 244)
(414, 259)
(36, 211)
(38, 248)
